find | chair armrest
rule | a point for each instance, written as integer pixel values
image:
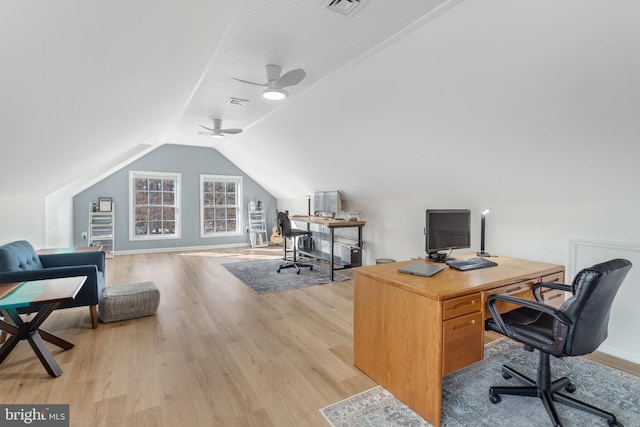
(534, 305)
(91, 271)
(550, 285)
(96, 258)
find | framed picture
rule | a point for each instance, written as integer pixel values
(105, 204)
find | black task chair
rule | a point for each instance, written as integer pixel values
(578, 327)
(287, 232)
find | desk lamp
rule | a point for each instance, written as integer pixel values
(308, 197)
(482, 252)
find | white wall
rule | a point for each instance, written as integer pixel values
(537, 231)
(59, 220)
(22, 218)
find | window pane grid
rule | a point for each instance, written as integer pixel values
(154, 206)
(220, 206)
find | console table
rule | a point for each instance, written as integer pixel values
(409, 331)
(332, 225)
(50, 293)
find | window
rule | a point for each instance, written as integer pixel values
(220, 211)
(154, 204)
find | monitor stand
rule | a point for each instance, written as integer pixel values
(438, 256)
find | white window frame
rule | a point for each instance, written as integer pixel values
(132, 205)
(239, 205)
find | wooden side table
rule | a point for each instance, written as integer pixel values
(50, 293)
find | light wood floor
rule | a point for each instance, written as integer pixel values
(216, 354)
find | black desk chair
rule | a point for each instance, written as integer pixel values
(578, 327)
(287, 232)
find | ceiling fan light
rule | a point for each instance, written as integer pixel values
(275, 93)
(217, 135)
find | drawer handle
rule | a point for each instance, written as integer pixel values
(516, 289)
(464, 304)
(473, 322)
(552, 297)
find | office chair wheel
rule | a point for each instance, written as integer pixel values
(570, 388)
(298, 272)
(506, 375)
(311, 268)
(615, 423)
(494, 398)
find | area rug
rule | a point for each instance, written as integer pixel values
(262, 276)
(465, 396)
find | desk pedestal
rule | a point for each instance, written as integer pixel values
(399, 352)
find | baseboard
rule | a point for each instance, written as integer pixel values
(179, 249)
(620, 354)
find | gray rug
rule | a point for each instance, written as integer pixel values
(465, 396)
(262, 276)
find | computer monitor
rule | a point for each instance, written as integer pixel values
(327, 202)
(446, 229)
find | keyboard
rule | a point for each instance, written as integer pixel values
(470, 263)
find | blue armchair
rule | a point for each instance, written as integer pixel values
(19, 262)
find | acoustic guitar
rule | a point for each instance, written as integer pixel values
(276, 237)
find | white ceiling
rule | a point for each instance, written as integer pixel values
(410, 100)
(85, 82)
(82, 82)
(293, 34)
(492, 101)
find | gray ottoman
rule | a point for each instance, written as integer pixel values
(122, 302)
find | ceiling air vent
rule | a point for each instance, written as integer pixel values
(236, 101)
(345, 7)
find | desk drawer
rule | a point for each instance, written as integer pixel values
(553, 297)
(462, 305)
(520, 290)
(463, 342)
(553, 278)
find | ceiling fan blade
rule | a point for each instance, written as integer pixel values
(209, 129)
(231, 131)
(251, 83)
(291, 78)
(204, 133)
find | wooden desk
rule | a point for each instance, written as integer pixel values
(50, 293)
(332, 225)
(409, 331)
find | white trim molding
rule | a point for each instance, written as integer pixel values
(625, 316)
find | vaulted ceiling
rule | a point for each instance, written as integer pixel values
(316, 36)
(413, 99)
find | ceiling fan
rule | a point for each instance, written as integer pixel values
(217, 131)
(275, 83)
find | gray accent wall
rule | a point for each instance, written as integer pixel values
(191, 162)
